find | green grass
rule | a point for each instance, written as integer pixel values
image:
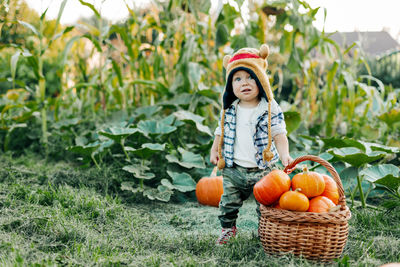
(55, 214)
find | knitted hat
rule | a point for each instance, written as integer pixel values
(255, 63)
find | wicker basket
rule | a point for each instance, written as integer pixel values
(315, 236)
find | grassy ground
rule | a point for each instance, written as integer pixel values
(55, 214)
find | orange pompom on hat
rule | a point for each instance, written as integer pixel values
(255, 63)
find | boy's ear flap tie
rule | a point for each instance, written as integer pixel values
(267, 154)
(221, 161)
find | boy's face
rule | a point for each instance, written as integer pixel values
(245, 87)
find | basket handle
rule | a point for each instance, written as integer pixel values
(289, 168)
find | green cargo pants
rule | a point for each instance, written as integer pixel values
(238, 183)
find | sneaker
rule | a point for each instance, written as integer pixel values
(226, 234)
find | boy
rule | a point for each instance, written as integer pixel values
(249, 120)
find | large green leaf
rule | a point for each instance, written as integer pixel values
(104, 144)
(155, 127)
(292, 120)
(139, 171)
(167, 183)
(129, 186)
(386, 175)
(182, 182)
(379, 147)
(184, 115)
(66, 123)
(391, 182)
(187, 115)
(146, 149)
(188, 159)
(169, 120)
(348, 177)
(84, 149)
(355, 156)
(161, 193)
(148, 111)
(118, 133)
(342, 142)
(377, 172)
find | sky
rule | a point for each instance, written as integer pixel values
(342, 15)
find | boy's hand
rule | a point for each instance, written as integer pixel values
(286, 159)
(214, 157)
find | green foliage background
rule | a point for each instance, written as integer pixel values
(144, 94)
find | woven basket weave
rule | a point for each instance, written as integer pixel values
(315, 236)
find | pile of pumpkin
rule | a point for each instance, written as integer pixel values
(307, 191)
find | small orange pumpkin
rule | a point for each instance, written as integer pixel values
(294, 200)
(311, 183)
(331, 189)
(268, 190)
(321, 204)
(209, 189)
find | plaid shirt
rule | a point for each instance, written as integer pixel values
(260, 136)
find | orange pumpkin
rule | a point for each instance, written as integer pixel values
(331, 189)
(209, 189)
(294, 200)
(268, 190)
(321, 204)
(311, 183)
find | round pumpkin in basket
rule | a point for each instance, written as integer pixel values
(294, 200)
(209, 189)
(311, 183)
(331, 189)
(321, 204)
(268, 190)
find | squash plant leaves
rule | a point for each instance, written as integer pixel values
(386, 175)
(139, 171)
(117, 133)
(182, 182)
(146, 149)
(342, 142)
(188, 159)
(148, 111)
(155, 127)
(292, 120)
(355, 156)
(161, 193)
(379, 147)
(184, 115)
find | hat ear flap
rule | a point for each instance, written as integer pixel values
(226, 61)
(264, 51)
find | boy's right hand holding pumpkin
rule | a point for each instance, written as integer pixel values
(214, 150)
(214, 157)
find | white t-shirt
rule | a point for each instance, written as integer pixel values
(244, 152)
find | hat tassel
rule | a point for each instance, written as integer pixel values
(267, 154)
(221, 161)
